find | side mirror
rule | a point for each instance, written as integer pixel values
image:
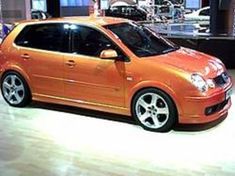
(108, 54)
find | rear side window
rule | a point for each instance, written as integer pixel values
(52, 37)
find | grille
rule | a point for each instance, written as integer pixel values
(221, 79)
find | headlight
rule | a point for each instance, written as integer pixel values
(199, 82)
(219, 61)
(210, 83)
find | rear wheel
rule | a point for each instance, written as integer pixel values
(15, 90)
(154, 110)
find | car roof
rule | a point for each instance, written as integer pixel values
(88, 20)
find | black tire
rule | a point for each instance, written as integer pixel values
(164, 100)
(25, 96)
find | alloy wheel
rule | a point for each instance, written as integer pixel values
(13, 89)
(152, 110)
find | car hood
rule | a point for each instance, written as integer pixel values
(191, 61)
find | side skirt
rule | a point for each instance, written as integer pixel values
(81, 104)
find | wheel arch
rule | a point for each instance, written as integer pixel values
(155, 85)
(20, 72)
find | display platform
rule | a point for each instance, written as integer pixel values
(52, 140)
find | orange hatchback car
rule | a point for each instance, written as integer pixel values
(112, 65)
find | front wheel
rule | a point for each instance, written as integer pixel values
(154, 110)
(15, 90)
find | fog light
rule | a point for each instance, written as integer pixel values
(209, 111)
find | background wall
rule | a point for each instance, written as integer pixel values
(15, 10)
(231, 17)
(75, 8)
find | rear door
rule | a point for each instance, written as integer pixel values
(42, 47)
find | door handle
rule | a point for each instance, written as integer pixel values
(70, 63)
(25, 56)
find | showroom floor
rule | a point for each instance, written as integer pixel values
(51, 140)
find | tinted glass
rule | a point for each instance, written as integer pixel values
(36, 15)
(90, 42)
(115, 10)
(53, 37)
(158, 2)
(129, 10)
(140, 40)
(205, 12)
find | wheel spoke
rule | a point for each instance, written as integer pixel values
(13, 80)
(20, 88)
(144, 116)
(9, 96)
(143, 103)
(154, 99)
(156, 122)
(18, 98)
(7, 85)
(163, 111)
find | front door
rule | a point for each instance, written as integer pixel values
(88, 77)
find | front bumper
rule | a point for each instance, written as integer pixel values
(195, 108)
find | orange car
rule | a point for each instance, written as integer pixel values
(112, 65)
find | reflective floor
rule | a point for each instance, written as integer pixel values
(52, 140)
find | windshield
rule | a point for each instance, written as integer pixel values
(141, 40)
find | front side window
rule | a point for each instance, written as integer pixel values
(90, 42)
(52, 37)
(142, 41)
